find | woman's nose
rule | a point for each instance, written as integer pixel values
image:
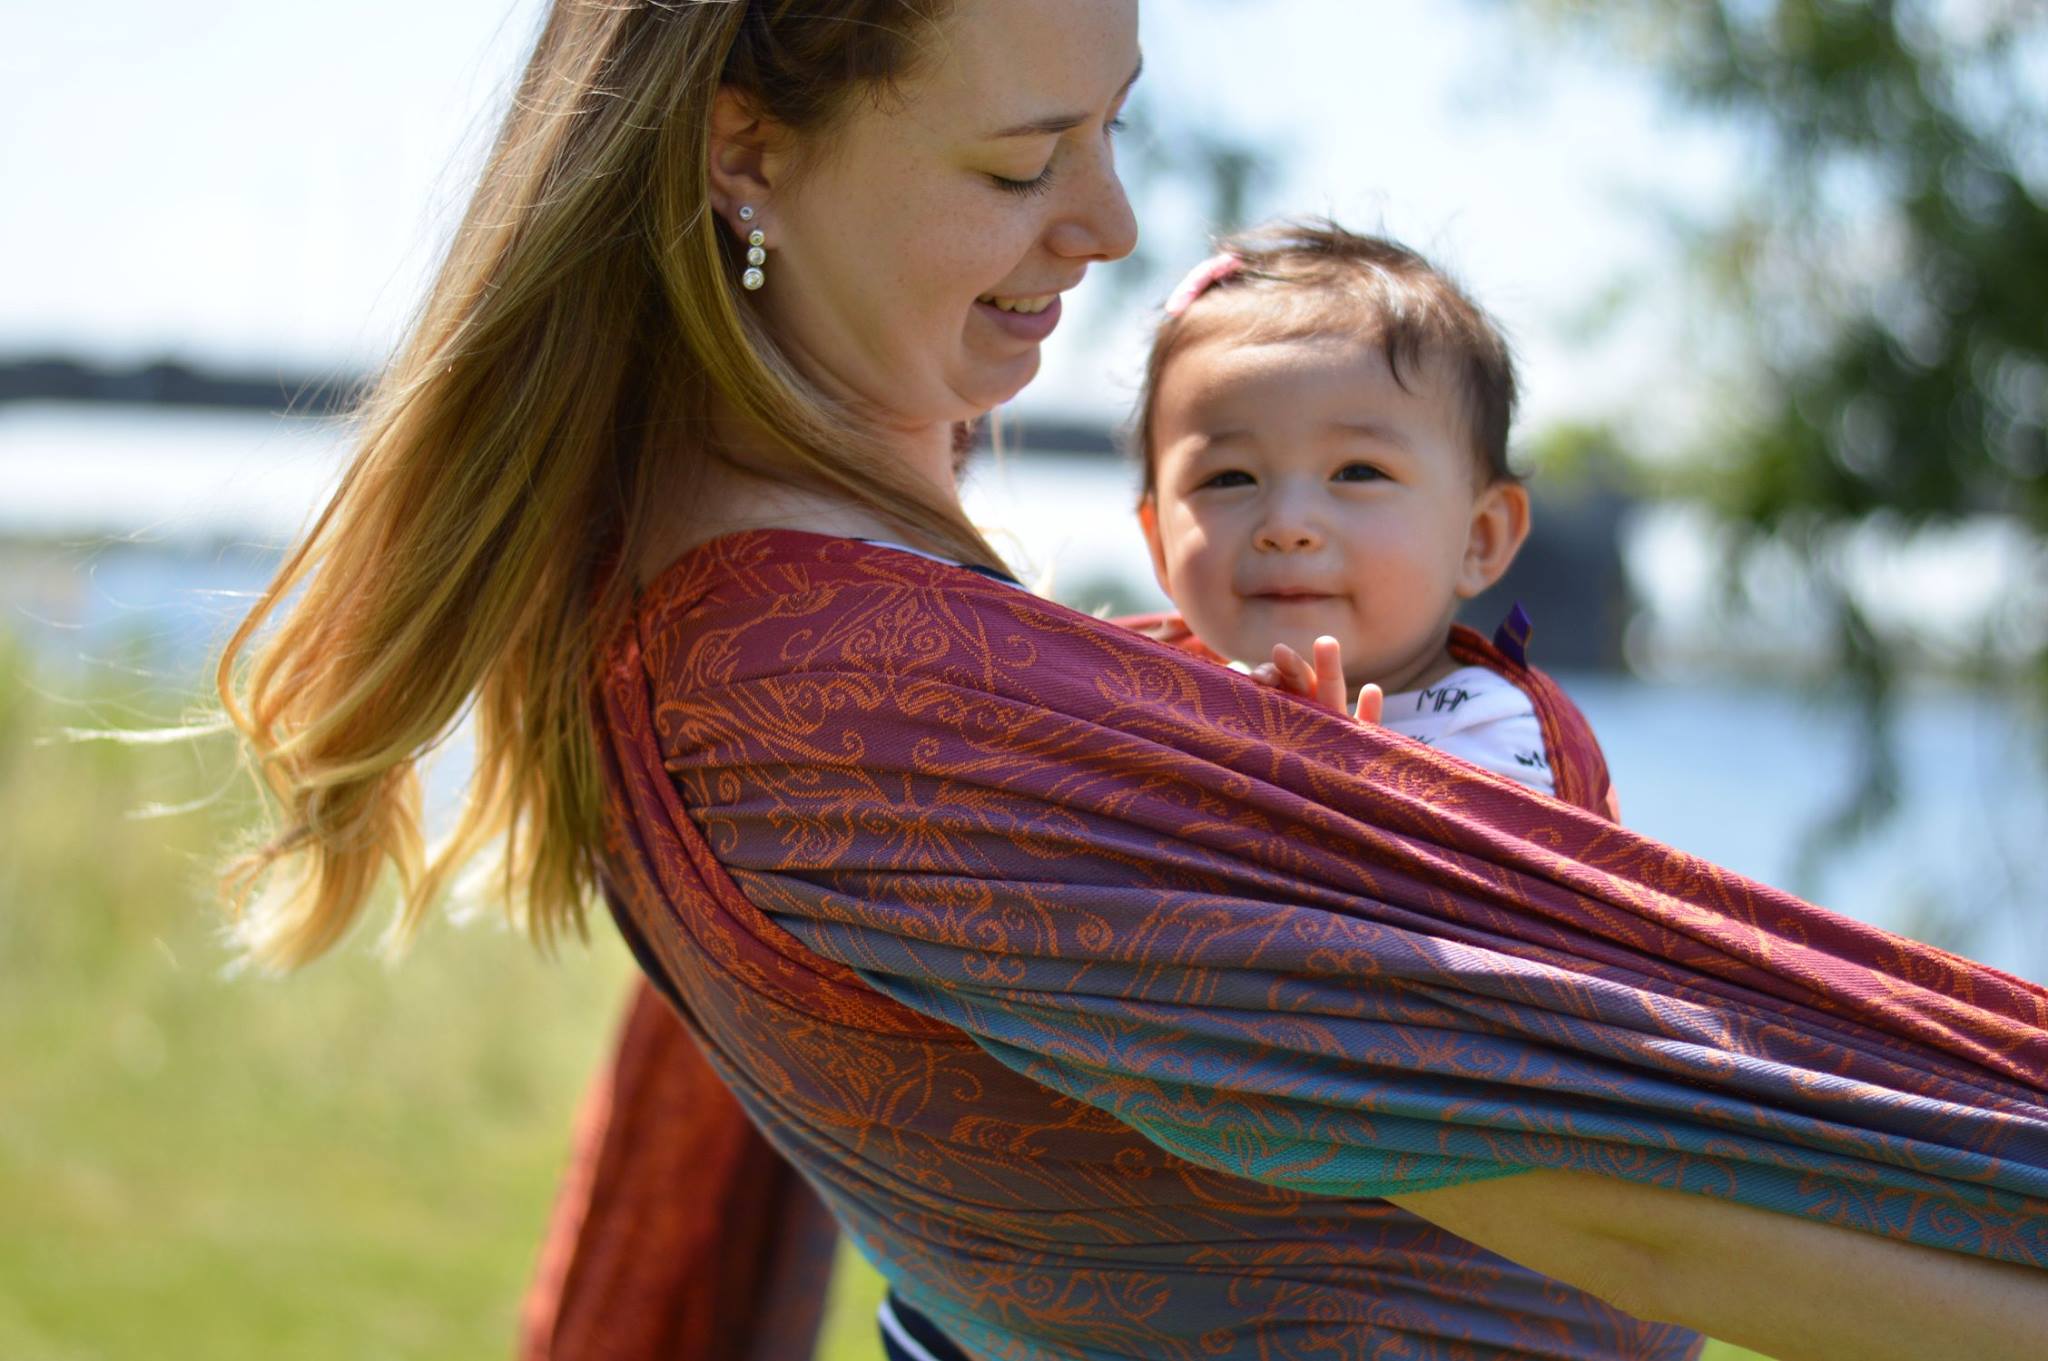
(1100, 224)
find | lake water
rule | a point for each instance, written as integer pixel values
(136, 545)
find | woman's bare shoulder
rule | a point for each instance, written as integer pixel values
(717, 500)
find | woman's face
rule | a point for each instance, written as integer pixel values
(915, 263)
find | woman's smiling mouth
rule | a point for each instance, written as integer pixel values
(1029, 318)
(1027, 306)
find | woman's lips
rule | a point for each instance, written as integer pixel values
(1027, 326)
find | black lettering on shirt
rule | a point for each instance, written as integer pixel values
(1443, 699)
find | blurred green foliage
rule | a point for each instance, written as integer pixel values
(1877, 297)
(1890, 256)
(353, 1162)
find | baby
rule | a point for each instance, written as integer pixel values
(1324, 429)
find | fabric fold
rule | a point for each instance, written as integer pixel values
(678, 1232)
(997, 918)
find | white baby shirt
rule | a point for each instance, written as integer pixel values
(1480, 716)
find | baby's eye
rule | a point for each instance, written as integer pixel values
(1358, 472)
(1229, 477)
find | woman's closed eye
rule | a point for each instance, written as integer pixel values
(1037, 184)
(1042, 181)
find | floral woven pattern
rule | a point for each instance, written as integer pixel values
(1100, 992)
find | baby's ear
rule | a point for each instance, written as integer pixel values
(1500, 523)
(1148, 520)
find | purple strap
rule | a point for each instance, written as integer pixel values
(1512, 637)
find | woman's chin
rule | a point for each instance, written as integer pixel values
(991, 384)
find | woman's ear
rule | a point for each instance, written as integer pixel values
(1148, 520)
(747, 157)
(1500, 523)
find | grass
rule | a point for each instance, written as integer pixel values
(356, 1162)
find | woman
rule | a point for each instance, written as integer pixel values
(1119, 1008)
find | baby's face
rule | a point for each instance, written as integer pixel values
(1302, 491)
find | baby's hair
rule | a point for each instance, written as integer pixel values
(1318, 276)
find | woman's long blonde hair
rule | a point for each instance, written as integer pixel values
(585, 323)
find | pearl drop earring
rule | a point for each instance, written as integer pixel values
(757, 254)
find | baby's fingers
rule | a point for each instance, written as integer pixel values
(1372, 702)
(1293, 673)
(1328, 675)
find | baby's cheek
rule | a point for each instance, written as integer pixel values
(1196, 585)
(1237, 632)
(1405, 578)
(1405, 613)
(1215, 624)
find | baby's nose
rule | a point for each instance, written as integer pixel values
(1284, 537)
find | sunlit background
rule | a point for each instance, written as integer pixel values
(1777, 276)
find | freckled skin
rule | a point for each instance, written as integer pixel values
(884, 231)
(879, 250)
(1302, 492)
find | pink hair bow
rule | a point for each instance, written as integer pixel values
(1200, 280)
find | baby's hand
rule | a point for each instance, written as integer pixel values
(1321, 680)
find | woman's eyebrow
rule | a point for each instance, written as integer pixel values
(1060, 122)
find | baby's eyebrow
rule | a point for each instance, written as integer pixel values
(1372, 430)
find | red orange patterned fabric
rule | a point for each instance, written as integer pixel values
(1577, 764)
(1099, 991)
(679, 1233)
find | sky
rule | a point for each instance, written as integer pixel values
(263, 185)
(266, 186)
